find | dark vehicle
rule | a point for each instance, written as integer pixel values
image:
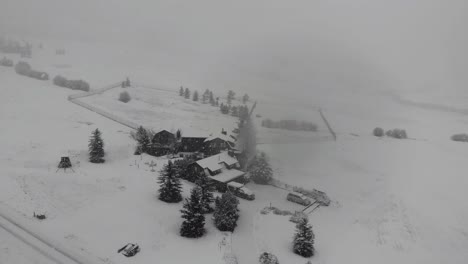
(129, 250)
(241, 191)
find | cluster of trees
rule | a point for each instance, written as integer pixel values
(96, 147)
(290, 125)
(72, 84)
(125, 97)
(241, 111)
(125, 83)
(207, 97)
(11, 46)
(23, 68)
(232, 95)
(225, 212)
(394, 133)
(6, 62)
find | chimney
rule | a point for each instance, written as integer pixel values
(223, 131)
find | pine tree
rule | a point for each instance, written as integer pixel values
(206, 96)
(187, 93)
(143, 139)
(260, 170)
(195, 96)
(206, 192)
(170, 187)
(303, 243)
(268, 258)
(178, 135)
(96, 147)
(245, 98)
(234, 111)
(194, 224)
(212, 100)
(226, 212)
(231, 96)
(181, 91)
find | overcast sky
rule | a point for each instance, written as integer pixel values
(321, 43)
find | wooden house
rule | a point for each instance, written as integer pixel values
(220, 169)
(163, 143)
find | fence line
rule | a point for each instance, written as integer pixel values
(75, 99)
(94, 92)
(327, 124)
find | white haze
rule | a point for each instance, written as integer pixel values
(304, 47)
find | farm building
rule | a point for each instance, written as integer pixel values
(163, 143)
(191, 145)
(216, 143)
(221, 169)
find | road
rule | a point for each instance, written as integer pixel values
(21, 246)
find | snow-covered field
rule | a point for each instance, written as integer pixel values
(394, 201)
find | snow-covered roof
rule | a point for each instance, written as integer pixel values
(227, 175)
(221, 136)
(236, 184)
(215, 162)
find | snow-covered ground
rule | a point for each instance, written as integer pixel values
(394, 201)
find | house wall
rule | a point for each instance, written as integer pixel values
(164, 138)
(215, 146)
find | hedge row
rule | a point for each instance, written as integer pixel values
(72, 84)
(23, 68)
(6, 62)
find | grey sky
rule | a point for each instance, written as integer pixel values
(321, 43)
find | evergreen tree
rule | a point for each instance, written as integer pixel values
(195, 96)
(143, 139)
(231, 96)
(187, 93)
(303, 243)
(243, 113)
(181, 91)
(234, 111)
(194, 224)
(206, 192)
(247, 141)
(212, 100)
(127, 82)
(96, 147)
(217, 101)
(245, 98)
(170, 187)
(268, 258)
(178, 135)
(226, 212)
(260, 170)
(206, 96)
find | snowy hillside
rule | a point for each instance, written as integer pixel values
(393, 201)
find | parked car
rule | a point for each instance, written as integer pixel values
(298, 198)
(129, 250)
(241, 191)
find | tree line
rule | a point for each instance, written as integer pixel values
(290, 125)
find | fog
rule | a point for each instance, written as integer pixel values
(273, 45)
